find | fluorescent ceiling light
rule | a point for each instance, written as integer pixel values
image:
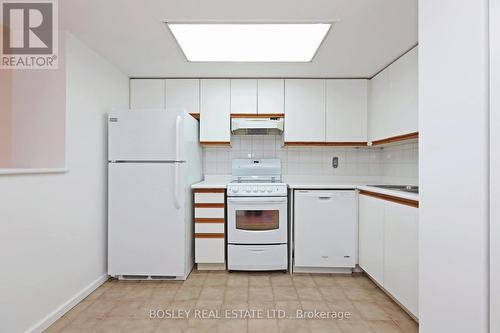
(270, 42)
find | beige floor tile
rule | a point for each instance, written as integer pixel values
(124, 306)
(309, 293)
(187, 293)
(354, 326)
(232, 326)
(407, 326)
(332, 293)
(281, 280)
(212, 293)
(259, 281)
(237, 280)
(214, 280)
(110, 325)
(293, 326)
(358, 294)
(238, 294)
(290, 307)
(324, 280)
(172, 326)
(323, 326)
(383, 326)
(394, 311)
(209, 304)
(284, 293)
(260, 294)
(303, 281)
(263, 326)
(314, 305)
(371, 311)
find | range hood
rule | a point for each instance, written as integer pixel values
(256, 126)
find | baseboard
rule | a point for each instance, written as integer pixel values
(60, 311)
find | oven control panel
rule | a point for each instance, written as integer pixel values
(257, 190)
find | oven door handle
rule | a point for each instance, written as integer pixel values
(257, 201)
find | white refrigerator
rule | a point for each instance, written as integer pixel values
(154, 156)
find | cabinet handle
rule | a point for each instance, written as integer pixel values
(324, 198)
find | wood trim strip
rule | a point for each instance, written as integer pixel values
(215, 143)
(208, 235)
(397, 138)
(254, 115)
(209, 190)
(209, 205)
(326, 144)
(402, 201)
(195, 115)
(208, 220)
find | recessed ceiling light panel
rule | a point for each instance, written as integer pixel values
(270, 42)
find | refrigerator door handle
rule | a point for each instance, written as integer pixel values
(177, 203)
(178, 137)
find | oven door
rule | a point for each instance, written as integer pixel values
(257, 220)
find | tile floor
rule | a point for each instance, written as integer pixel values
(124, 306)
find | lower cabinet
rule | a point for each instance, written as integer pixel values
(209, 228)
(388, 247)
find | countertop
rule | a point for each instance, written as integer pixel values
(315, 183)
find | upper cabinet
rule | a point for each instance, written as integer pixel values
(244, 96)
(147, 94)
(183, 94)
(215, 109)
(304, 110)
(393, 100)
(346, 111)
(271, 96)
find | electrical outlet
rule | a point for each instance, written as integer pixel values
(335, 162)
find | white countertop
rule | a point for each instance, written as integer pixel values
(213, 181)
(316, 183)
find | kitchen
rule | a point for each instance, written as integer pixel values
(218, 186)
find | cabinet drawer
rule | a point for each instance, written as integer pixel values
(214, 213)
(257, 257)
(209, 228)
(209, 197)
(209, 250)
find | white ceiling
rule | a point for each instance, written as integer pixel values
(367, 35)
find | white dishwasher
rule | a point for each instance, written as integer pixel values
(325, 230)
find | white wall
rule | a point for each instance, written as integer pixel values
(495, 166)
(393, 163)
(53, 238)
(453, 116)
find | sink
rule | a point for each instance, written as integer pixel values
(403, 188)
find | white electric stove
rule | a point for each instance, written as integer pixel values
(257, 216)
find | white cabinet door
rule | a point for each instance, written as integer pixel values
(244, 96)
(215, 107)
(209, 250)
(183, 94)
(271, 96)
(346, 110)
(371, 237)
(305, 110)
(393, 99)
(147, 94)
(401, 254)
(325, 229)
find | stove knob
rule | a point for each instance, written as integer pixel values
(263, 189)
(255, 189)
(247, 189)
(234, 190)
(269, 189)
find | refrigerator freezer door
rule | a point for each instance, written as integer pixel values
(146, 232)
(145, 135)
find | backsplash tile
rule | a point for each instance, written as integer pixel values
(398, 161)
